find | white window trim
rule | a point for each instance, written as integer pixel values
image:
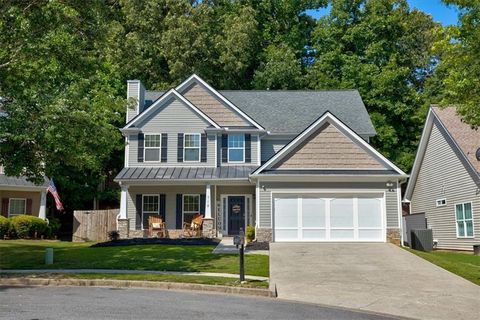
(439, 200)
(464, 220)
(199, 146)
(183, 205)
(143, 205)
(10, 203)
(235, 148)
(159, 148)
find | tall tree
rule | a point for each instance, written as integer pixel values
(60, 96)
(383, 49)
(457, 78)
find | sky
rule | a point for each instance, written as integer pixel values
(447, 15)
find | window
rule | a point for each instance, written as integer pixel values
(1, 169)
(236, 148)
(151, 204)
(191, 206)
(464, 218)
(191, 147)
(441, 202)
(152, 147)
(17, 206)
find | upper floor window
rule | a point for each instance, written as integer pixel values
(152, 147)
(191, 147)
(464, 218)
(236, 148)
(17, 206)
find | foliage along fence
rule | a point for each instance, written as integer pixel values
(94, 225)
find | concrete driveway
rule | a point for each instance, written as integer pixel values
(375, 277)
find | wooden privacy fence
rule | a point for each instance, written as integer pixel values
(94, 225)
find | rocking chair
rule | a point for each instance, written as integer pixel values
(193, 229)
(156, 224)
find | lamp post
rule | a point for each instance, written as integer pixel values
(239, 241)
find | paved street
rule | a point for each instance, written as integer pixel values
(105, 303)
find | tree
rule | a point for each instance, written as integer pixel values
(60, 96)
(383, 49)
(457, 78)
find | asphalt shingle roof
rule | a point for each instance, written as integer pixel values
(19, 182)
(290, 111)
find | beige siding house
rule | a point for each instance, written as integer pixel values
(445, 180)
(20, 196)
(254, 158)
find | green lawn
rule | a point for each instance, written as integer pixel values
(464, 264)
(29, 254)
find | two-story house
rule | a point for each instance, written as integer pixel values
(297, 165)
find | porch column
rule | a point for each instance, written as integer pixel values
(123, 202)
(43, 204)
(208, 227)
(208, 202)
(123, 224)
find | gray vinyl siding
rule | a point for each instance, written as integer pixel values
(265, 204)
(442, 175)
(271, 146)
(172, 119)
(254, 148)
(132, 92)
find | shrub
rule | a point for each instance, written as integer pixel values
(4, 226)
(24, 227)
(53, 227)
(113, 235)
(250, 234)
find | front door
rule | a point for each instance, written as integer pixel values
(236, 214)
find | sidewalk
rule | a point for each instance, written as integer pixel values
(119, 271)
(227, 246)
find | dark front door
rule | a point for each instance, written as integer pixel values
(236, 214)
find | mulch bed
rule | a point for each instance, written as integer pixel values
(258, 246)
(146, 241)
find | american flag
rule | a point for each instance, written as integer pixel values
(53, 190)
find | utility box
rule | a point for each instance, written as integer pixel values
(422, 239)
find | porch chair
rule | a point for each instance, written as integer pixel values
(156, 224)
(193, 229)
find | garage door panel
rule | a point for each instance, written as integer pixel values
(323, 217)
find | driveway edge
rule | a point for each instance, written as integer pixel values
(136, 284)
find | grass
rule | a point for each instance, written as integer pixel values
(150, 277)
(464, 264)
(29, 254)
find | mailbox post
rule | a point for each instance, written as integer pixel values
(239, 241)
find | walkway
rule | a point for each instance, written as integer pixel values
(119, 271)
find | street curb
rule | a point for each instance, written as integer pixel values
(136, 284)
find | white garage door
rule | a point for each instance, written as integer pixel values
(328, 218)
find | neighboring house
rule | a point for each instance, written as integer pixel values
(445, 180)
(295, 164)
(20, 196)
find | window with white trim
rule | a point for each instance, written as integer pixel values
(464, 220)
(152, 147)
(1, 169)
(441, 202)
(151, 203)
(236, 148)
(17, 206)
(191, 206)
(191, 147)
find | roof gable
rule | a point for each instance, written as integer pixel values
(328, 148)
(166, 98)
(320, 147)
(434, 119)
(213, 104)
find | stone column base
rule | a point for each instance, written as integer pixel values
(124, 228)
(263, 234)
(394, 236)
(208, 229)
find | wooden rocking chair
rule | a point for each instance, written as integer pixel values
(193, 229)
(156, 224)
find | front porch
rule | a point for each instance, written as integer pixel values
(226, 208)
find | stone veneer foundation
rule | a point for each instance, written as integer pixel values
(263, 234)
(394, 236)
